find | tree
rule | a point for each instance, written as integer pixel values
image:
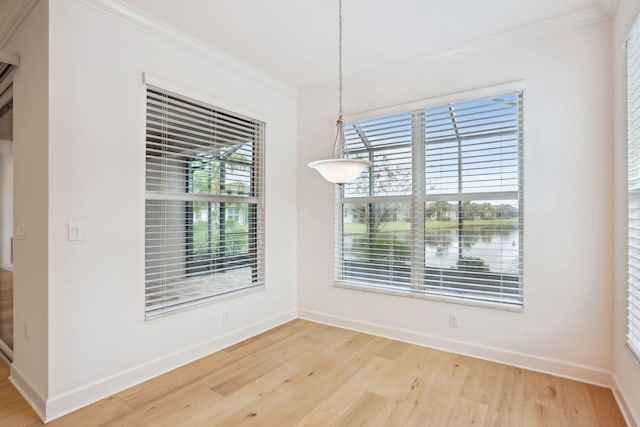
(439, 210)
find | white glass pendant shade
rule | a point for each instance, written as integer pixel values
(340, 171)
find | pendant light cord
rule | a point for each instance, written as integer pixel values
(339, 148)
(340, 59)
(340, 169)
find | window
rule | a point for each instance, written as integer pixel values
(204, 218)
(633, 176)
(440, 211)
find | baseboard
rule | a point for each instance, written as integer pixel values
(632, 419)
(6, 352)
(73, 400)
(34, 399)
(560, 368)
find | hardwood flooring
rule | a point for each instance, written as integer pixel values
(307, 374)
(6, 307)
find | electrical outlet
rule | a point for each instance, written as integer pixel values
(26, 331)
(225, 316)
(453, 321)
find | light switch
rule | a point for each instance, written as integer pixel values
(75, 232)
(22, 234)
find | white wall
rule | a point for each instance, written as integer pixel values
(626, 369)
(83, 301)
(29, 370)
(566, 324)
(6, 203)
(99, 340)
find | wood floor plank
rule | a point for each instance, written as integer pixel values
(94, 415)
(304, 357)
(541, 389)
(215, 369)
(492, 385)
(536, 415)
(23, 418)
(370, 410)
(468, 413)
(319, 417)
(169, 411)
(605, 407)
(326, 375)
(364, 380)
(405, 377)
(252, 392)
(576, 405)
(394, 350)
(307, 374)
(441, 388)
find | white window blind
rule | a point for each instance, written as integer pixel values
(6, 84)
(204, 216)
(633, 107)
(440, 211)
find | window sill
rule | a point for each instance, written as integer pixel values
(440, 298)
(207, 300)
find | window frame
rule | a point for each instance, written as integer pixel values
(253, 198)
(418, 198)
(633, 189)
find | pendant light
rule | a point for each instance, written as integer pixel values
(340, 169)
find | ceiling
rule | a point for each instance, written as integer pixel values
(295, 41)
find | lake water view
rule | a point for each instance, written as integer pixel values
(498, 247)
(492, 244)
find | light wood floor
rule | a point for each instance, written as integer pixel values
(6, 307)
(306, 374)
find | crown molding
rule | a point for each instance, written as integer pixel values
(499, 40)
(609, 7)
(169, 34)
(12, 14)
(560, 23)
(600, 11)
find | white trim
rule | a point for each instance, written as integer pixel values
(169, 34)
(8, 58)
(14, 18)
(609, 7)
(34, 398)
(198, 95)
(515, 86)
(589, 15)
(577, 18)
(169, 310)
(547, 365)
(516, 308)
(67, 402)
(592, 14)
(632, 419)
